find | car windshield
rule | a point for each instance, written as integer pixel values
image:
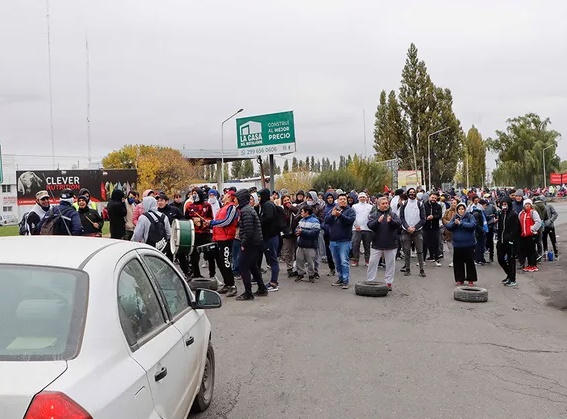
(42, 312)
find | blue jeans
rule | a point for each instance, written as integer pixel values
(340, 251)
(271, 252)
(235, 256)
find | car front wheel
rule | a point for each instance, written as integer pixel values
(205, 395)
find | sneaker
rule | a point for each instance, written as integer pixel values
(407, 272)
(224, 290)
(389, 287)
(232, 292)
(539, 257)
(511, 284)
(263, 270)
(505, 280)
(355, 263)
(437, 263)
(404, 268)
(331, 273)
(366, 262)
(316, 275)
(534, 269)
(413, 254)
(245, 297)
(471, 283)
(345, 286)
(451, 265)
(460, 283)
(422, 273)
(261, 293)
(299, 278)
(417, 264)
(272, 287)
(479, 263)
(312, 278)
(337, 283)
(381, 265)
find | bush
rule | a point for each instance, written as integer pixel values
(339, 179)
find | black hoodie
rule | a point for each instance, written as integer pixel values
(250, 232)
(116, 214)
(268, 214)
(508, 224)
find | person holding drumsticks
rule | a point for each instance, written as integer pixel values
(201, 213)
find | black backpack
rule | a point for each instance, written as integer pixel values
(54, 223)
(156, 235)
(24, 227)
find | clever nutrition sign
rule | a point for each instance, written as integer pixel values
(266, 134)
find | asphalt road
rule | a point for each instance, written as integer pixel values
(315, 351)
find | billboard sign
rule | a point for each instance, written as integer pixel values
(558, 178)
(266, 134)
(100, 183)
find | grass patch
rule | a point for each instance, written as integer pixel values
(6, 231)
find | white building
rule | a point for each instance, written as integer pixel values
(8, 190)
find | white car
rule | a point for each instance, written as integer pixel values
(100, 328)
(8, 220)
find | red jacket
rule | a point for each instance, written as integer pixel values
(193, 211)
(224, 224)
(526, 223)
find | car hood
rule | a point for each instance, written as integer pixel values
(21, 381)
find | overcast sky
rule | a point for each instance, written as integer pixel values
(168, 72)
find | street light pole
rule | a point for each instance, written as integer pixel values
(222, 146)
(429, 152)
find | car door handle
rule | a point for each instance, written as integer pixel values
(189, 341)
(160, 375)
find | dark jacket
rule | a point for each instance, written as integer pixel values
(89, 217)
(518, 206)
(268, 214)
(291, 214)
(463, 233)
(116, 214)
(179, 206)
(384, 233)
(171, 212)
(309, 236)
(508, 227)
(340, 228)
(421, 222)
(327, 210)
(435, 210)
(250, 230)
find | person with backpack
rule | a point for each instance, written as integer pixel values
(273, 222)
(117, 214)
(91, 220)
(62, 219)
(30, 220)
(153, 227)
(412, 215)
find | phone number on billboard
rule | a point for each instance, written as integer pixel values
(259, 150)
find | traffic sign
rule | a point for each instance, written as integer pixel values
(266, 134)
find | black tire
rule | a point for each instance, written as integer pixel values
(471, 294)
(204, 283)
(205, 394)
(371, 289)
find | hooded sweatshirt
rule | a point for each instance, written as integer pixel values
(142, 230)
(197, 210)
(214, 201)
(268, 214)
(328, 208)
(139, 209)
(90, 203)
(464, 232)
(250, 230)
(117, 213)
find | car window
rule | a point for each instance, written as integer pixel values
(42, 312)
(168, 280)
(140, 310)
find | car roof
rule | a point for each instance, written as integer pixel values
(57, 251)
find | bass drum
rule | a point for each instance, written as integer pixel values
(182, 236)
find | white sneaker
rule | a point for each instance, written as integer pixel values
(437, 263)
(451, 265)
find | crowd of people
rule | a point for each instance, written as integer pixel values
(308, 229)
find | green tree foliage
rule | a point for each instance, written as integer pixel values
(312, 165)
(247, 169)
(294, 164)
(226, 172)
(336, 179)
(475, 152)
(370, 174)
(391, 138)
(236, 169)
(563, 166)
(286, 166)
(307, 164)
(520, 151)
(342, 163)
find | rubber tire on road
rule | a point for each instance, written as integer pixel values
(371, 289)
(471, 294)
(205, 395)
(204, 283)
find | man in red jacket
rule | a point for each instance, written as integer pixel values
(201, 213)
(224, 230)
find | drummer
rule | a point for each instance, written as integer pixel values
(224, 231)
(171, 212)
(200, 211)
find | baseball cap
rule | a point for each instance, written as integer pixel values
(41, 195)
(362, 194)
(67, 194)
(230, 193)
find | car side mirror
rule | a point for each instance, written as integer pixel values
(207, 299)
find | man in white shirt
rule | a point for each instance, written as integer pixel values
(360, 230)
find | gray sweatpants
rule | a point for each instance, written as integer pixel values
(390, 260)
(417, 238)
(305, 260)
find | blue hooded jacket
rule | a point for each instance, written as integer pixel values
(309, 236)
(463, 233)
(328, 208)
(340, 228)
